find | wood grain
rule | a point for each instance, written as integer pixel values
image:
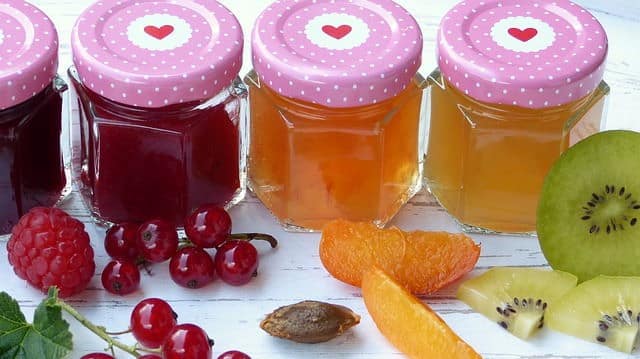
(293, 271)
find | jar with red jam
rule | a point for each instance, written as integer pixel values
(336, 124)
(32, 172)
(160, 108)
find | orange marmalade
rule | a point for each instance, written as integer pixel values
(309, 163)
(335, 127)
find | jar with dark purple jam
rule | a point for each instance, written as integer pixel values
(32, 171)
(160, 108)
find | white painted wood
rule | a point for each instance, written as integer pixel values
(293, 271)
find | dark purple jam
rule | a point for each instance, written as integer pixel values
(31, 165)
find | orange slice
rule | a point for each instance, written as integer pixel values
(409, 324)
(422, 262)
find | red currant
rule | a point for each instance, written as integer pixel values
(120, 241)
(236, 262)
(234, 354)
(97, 356)
(121, 277)
(192, 267)
(151, 321)
(187, 341)
(208, 226)
(157, 240)
(150, 356)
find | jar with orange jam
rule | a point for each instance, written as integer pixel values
(518, 83)
(335, 121)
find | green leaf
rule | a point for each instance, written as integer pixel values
(10, 315)
(47, 338)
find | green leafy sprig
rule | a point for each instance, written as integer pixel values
(48, 337)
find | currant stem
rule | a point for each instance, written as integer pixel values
(115, 333)
(184, 241)
(149, 350)
(255, 236)
(97, 330)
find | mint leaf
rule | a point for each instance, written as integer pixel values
(47, 338)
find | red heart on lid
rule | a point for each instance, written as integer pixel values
(523, 35)
(337, 32)
(159, 32)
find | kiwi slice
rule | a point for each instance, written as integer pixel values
(516, 298)
(588, 218)
(603, 310)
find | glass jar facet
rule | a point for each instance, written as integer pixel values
(140, 163)
(486, 163)
(32, 172)
(310, 163)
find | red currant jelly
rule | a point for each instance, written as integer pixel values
(161, 121)
(31, 162)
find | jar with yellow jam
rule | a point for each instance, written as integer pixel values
(335, 121)
(518, 83)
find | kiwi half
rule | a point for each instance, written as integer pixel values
(588, 218)
(516, 298)
(604, 310)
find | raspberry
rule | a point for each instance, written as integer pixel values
(48, 247)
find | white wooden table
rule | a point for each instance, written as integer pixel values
(293, 272)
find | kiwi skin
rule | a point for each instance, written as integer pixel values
(585, 226)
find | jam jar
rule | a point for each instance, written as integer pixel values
(335, 119)
(518, 83)
(32, 172)
(160, 107)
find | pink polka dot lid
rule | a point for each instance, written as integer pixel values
(154, 53)
(338, 53)
(28, 52)
(529, 53)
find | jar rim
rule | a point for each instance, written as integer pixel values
(155, 53)
(529, 54)
(29, 59)
(337, 53)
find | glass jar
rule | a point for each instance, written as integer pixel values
(335, 122)
(161, 110)
(32, 172)
(518, 83)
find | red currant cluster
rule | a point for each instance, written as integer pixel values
(154, 325)
(191, 266)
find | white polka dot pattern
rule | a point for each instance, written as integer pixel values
(154, 53)
(528, 53)
(28, 52)
(338, 53)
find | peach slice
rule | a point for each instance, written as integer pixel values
(408, 323)
(421, 261)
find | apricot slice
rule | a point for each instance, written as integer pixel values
(423, 262)
(409, 324)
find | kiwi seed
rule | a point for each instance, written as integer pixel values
(507, 310)
(617, 222)
(622, 318)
